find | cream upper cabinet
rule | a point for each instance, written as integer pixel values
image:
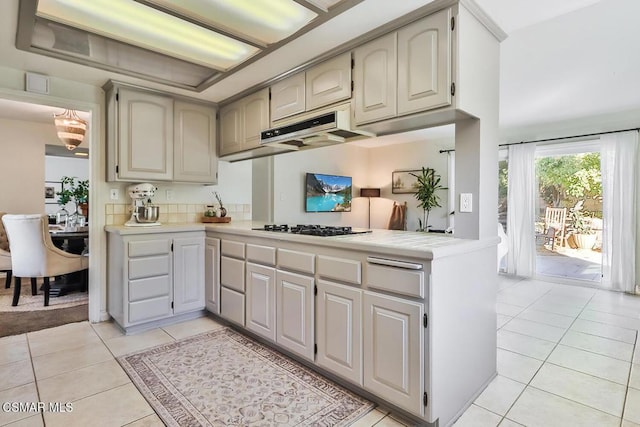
(288, 97)
(195, 158)
(144, 135)
(406, 71)
(321, 85)
(328, 82)
(242, 122)
(424, 64)
(375, 79)
(156, 137)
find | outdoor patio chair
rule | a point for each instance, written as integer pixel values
(555, 218)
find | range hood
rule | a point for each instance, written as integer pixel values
(316, 129)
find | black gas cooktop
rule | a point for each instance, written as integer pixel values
(313, 230)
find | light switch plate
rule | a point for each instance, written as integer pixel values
(114, 194)
(466, 202)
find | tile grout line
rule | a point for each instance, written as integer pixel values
(35, 380)
(546, 361)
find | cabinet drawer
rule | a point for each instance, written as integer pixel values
(397, 280)
(232, 305)
(345, 270)
(232, 273)
(149, 267)
(297, 261)
(150, 287)
(261, 254)
(231, 248)
(149, 247)
(149, 309)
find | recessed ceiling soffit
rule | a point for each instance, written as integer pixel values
(189, 44)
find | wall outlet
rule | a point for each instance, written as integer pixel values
(466, 202)
(114, 194)
(169, 194)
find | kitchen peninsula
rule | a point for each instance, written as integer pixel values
(407, 317)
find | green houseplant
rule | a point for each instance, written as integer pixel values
(76, 191)
(428, 183)
(580, 225)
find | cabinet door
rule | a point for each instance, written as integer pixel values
(329, 82)
(375, 80)
(288, 97)
(188, 274)
(145, 136)
(231, 134)
(212, 274)
(255, 118)
(261, 300)
(294, 313)
(393, 350)
(195, 158)
(339, 330)
(424, 64)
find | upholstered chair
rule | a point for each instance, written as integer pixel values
(5, 255)
(33, 254)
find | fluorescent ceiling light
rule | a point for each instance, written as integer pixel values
(151, 29)
(261, 21)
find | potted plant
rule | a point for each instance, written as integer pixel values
(76, 192)
(583, 233)
(428, 183)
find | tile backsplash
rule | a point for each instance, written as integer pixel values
(174, 213)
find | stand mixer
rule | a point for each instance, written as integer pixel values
(143, 213)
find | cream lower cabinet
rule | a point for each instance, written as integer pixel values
(394, 350)
(294, 313)
(261, 300)
(339, 330)
(212, 274)
(232, 281)
(154, 277)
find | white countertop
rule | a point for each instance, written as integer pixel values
(391, 242)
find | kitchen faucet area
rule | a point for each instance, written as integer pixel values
(293, 209)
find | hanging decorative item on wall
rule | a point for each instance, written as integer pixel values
(50, 190)
(404, 181)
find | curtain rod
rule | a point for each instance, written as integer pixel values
(557, 139)
(568, 137)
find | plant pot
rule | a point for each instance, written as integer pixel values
(585, 241)
(84, 208)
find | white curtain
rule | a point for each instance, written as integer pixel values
(521, 198)
(618, 158)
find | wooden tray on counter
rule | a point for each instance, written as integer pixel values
(216, 219)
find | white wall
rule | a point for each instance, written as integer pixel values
(22, 166)
(412, 155)
(289, 184)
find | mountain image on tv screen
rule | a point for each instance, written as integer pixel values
(328, 193)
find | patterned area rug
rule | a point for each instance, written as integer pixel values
(223, 378)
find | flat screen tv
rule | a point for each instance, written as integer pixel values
(327, 193)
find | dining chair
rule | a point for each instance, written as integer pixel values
(5, 255)
(33, 254)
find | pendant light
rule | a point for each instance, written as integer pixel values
(70, 128)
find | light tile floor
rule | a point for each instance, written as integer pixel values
(76, 363)
(567, 356)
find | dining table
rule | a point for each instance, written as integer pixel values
(74, 240)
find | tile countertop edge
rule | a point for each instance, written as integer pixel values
(164, 228)
(398, 243)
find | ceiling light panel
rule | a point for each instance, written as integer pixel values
(259, 21)
(148, 28)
